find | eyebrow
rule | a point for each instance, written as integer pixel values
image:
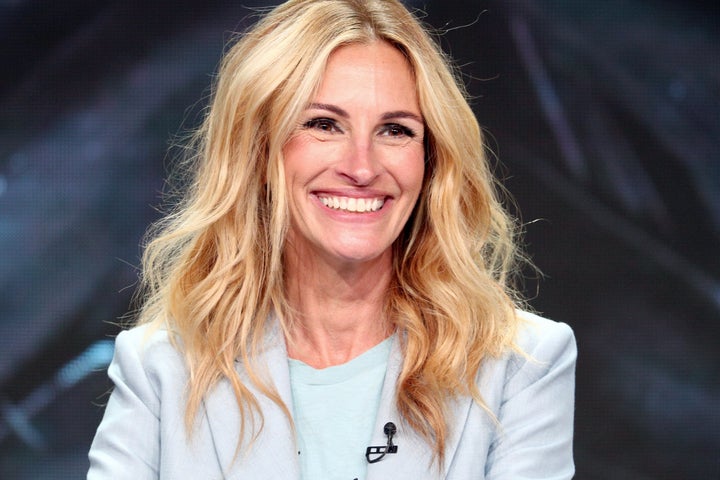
(330, 108)
(402, 114)
(385, 116)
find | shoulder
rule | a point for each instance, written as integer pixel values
(540, 347)
(146, 357)
(545, 351)
(530, 392)
(144, 338)
(146, 343)
(143, 414)
(544, 339)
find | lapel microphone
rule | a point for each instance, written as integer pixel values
(383, 450)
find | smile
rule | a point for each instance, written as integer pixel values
(351, 204)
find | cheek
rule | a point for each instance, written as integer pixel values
(293, 157)
(413, 171)
(299, 167)
(305, 158)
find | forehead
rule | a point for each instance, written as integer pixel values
(376, 69)
(378, 51)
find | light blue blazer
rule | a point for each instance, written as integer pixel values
(142, 435)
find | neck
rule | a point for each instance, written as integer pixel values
(337, 311)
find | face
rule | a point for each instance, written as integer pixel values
(354, 166)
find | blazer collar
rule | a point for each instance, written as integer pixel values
(273, 455)
(414, 456)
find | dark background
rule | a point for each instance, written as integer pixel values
(604, 117)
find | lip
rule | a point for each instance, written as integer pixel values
(350, 193)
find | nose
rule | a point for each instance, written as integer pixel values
(359, 165)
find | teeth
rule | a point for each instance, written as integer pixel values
(351, 204)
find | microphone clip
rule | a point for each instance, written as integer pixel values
(383, 450)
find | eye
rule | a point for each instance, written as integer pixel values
(396, 130)
(322, 124)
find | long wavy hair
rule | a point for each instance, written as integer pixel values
(213, 267)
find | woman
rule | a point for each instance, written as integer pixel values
(336, 278)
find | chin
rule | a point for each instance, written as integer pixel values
(360, 254)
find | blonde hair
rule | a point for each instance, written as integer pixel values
(213, 269)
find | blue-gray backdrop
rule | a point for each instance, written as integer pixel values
(605, 117)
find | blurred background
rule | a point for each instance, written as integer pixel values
(605, 121)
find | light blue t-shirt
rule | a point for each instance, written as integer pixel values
(334, 410)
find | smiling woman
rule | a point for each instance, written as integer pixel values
(331, 299)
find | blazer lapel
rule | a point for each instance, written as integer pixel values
(414, 456)
(273, 454)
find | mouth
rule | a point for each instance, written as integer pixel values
(352, 204)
